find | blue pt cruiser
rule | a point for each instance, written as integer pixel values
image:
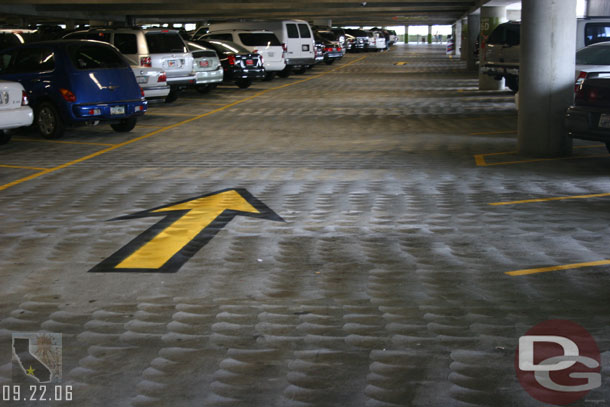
(71, 82)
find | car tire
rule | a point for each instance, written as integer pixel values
(172, 96)
(203, 88)
(269, 76)
(329, 61)
(125, 125)
(608, 147)
(285, 73)
(48, 121)
(243, 83)
(5, 136)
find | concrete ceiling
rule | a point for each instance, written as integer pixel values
(341, 12)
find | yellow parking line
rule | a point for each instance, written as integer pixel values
(23, 167)
(555, 198)
(171, 126)
(210, 104)
(481, 162)
(33, 140)
(556, 268)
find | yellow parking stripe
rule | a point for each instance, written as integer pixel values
(555, 198)
(172, 126)
(557, 268)
(22, 167)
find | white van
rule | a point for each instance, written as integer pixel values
(295, 35)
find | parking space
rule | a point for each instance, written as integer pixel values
(365, 262)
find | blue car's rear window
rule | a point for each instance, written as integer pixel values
(95, 56)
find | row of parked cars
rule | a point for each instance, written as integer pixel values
(107, 74)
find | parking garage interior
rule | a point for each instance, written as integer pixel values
(377, 232)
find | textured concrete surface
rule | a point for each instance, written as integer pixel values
(385, 286)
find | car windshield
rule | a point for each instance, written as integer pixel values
(594, 55)
(227, 47)
(259, 40)
(94, 56)
(164, 42)
(328, 35)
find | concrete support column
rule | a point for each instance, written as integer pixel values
(429, 34)
(457, 37)
(464, 39)
(406, 34)
(491, 17)
(546, 76)
(474, 23)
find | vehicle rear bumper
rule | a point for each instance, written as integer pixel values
(333, 55)
(181, 80)
(206, 77)
(13, 118)
(275, 66)
(300, 61)
(157, 92)
(253, 73)
(88, 112)
(582, 123)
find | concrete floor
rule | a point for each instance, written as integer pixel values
(386, 283)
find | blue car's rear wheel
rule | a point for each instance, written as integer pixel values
(48, 121)
(124, 125)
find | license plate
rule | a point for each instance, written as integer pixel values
(171, 63)
(117, 109)
(204, 64)
(249, 62)
(305, 47)
(142, 79)
(271, 54)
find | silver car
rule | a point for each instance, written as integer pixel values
(207, 67)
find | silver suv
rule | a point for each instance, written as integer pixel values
(152, 48)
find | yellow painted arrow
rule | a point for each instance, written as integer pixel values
(201, 213)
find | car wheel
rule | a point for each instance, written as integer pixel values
(125, 125)
(203, 88)
(269, 76)
(48, 121)
(285, 73)
(5, 136)
(172, 96)
(243, 83)
(329, 61)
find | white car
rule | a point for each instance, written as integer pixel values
(153, 81)
(14, 109)
(260, 42)
(592, 61)
(207, 67)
